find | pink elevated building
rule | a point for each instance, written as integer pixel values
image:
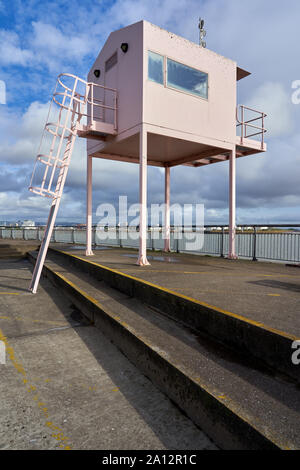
(175, 105)
(155, 98)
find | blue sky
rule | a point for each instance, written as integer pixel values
(40, 39)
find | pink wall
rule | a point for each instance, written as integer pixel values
(166, 111)
(126, 76)
(165, 107)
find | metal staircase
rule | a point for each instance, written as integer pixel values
(77, 108)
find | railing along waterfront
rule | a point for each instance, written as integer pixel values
(273, 242)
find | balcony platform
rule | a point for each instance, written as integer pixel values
(168, 151)
(96, 131)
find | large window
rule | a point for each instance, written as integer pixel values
(187, 79)
(155, 67)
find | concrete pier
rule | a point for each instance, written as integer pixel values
(213, 335)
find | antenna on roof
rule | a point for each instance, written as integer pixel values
(202, 33)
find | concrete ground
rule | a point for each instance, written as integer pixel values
(65, 386)
(264, 292)
(16, 249)
(175, 358)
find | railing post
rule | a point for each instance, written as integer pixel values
(95, 236)
(176, 238)
(92, 103)
(242, 132)
(263, 131)
(254, 244)
(222, 243)
(115, 110)
(118, 229)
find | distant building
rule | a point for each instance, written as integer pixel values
(28, 223)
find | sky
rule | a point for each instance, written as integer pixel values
(40, 39)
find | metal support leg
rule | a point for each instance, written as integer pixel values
(142, 259)
(44, 247)
(232, 204)
(167, 210)
(89, 251)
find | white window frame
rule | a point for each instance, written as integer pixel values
(165, 72)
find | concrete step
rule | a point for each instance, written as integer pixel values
(267, 345)
(239, 405)
(14, 250)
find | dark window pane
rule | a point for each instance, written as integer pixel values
(155, 67)
(187, 79)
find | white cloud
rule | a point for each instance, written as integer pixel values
(58, 42)
(10, 51)
(20, 135)
(53, 47)
(273, 99)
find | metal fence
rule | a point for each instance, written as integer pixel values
(272, 243)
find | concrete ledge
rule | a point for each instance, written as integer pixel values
(16, 249)
(224, 424)
(268, 345)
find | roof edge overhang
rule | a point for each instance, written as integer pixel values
(241, 73)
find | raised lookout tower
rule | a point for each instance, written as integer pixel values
(151, 98)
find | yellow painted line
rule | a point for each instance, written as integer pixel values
(222, 397)
(89, 297)
(59, 436)
(204, 304)
(171, 271)
(214, 273)
(218, 291)
(9, 293)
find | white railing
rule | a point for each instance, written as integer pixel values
(254, 243)
(246, 117)
(74, 101)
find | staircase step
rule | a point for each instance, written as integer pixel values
(239, 405)
(251, 338)
(14, 251)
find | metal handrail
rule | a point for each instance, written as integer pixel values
(71, 102)
(84, 99)
(241, 122)
(253, 243)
